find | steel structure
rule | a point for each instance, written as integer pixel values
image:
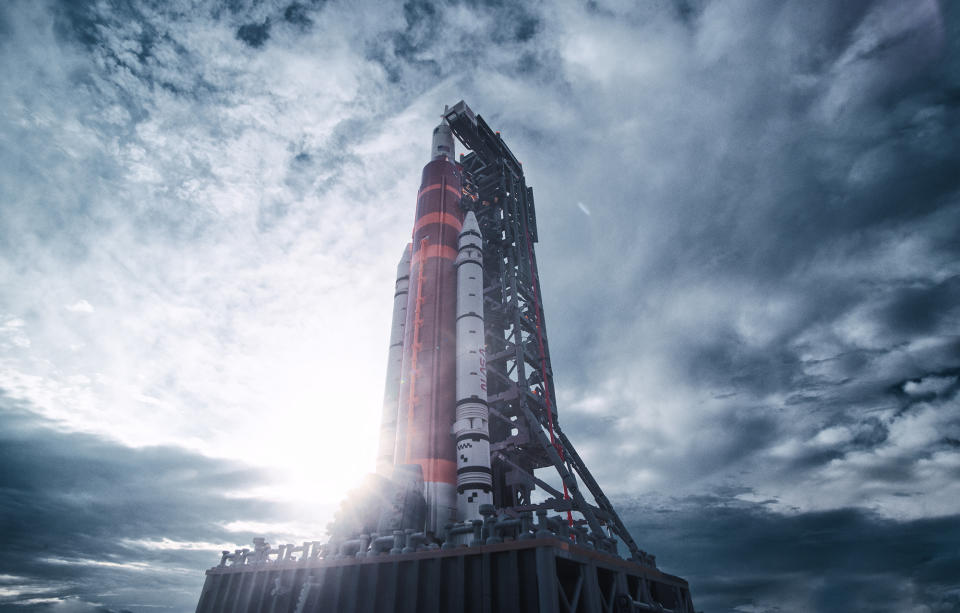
(525, 434)
(540, 574)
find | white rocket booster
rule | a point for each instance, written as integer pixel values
(391, 394)
(474, 479)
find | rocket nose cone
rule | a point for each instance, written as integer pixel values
(470, 223)
(403, 268)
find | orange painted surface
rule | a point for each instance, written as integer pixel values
(415, 351)
(437, 470)
(453, 190)
(444, 218)
(428, 382)
(434, 251)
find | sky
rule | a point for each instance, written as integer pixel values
(748, 212)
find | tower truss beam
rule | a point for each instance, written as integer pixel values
(521, 388)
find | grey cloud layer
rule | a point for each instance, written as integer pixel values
(748, 214)
(87, 520)
(770, 197)
(745, 557)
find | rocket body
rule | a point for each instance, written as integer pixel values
(427, 402)
(435, 405)
(391, 395)
(470, 430)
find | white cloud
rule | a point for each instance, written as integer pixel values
(166, 544)
(928, 385)
(81, 306)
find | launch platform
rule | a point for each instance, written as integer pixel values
(539, 574)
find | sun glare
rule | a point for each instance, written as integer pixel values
(320, 437)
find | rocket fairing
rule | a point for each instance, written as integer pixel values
(427, 403)
(391, 395)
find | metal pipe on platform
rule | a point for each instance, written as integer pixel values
(414, 540)
(543, 524)
(477, 533)
(380, 544)
(455, 530)
(526, 526)
(398, 538)
(349, 547)
(501, 526)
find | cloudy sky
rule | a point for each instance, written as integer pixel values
(750, 253)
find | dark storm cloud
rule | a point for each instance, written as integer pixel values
(79, 514)
(133, 44)
(443, 39)
(738, 555)
(254, 34)
(797, 159)
(774, 242)
(405, 51)
(298, 14)
(920, 310)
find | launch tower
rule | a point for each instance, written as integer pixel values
(469, 434)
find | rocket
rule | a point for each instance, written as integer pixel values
(470, 430)
(391, 395)
(435, 407)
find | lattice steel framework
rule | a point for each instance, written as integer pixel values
(525, 433)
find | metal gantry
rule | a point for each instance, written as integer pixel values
(525, 434)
